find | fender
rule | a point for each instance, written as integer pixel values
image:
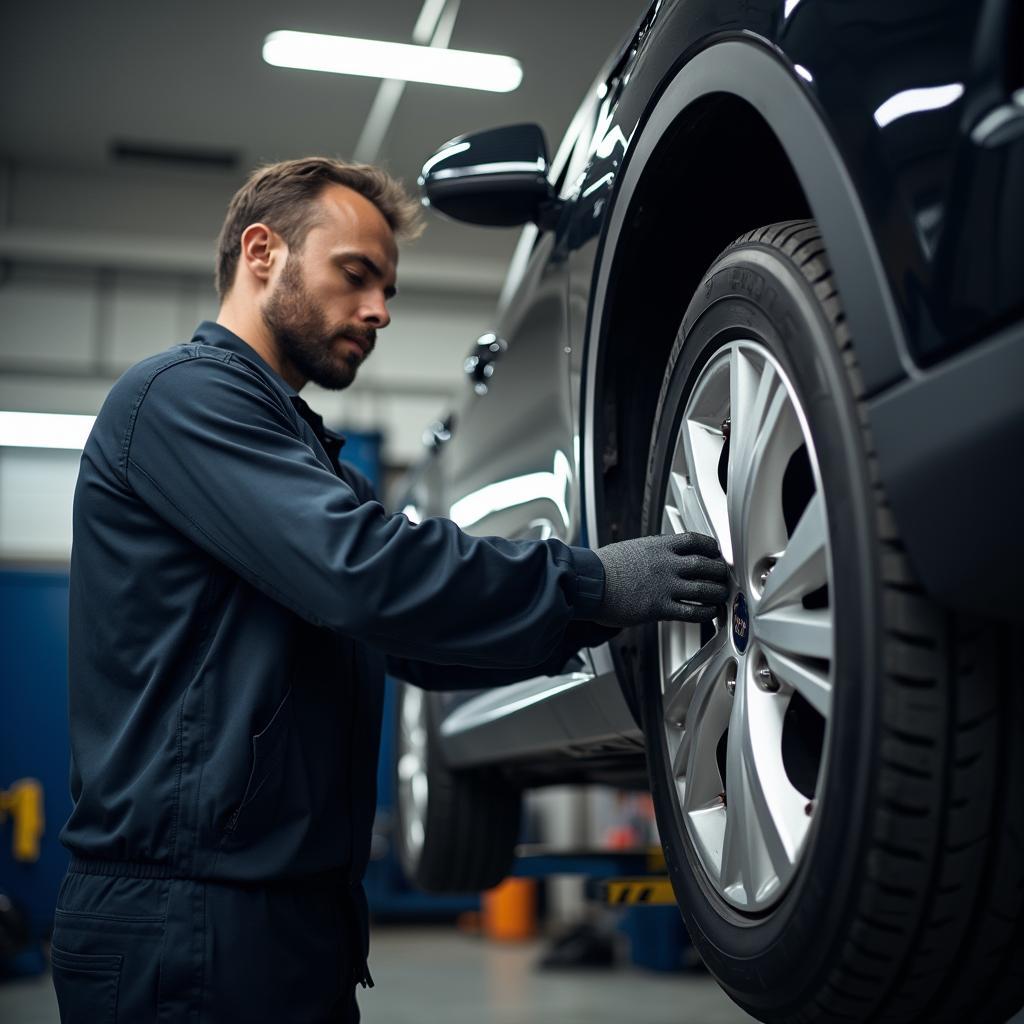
(748, 69)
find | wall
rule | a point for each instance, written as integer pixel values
(102, 267)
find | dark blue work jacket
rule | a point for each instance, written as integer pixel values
(236, 596)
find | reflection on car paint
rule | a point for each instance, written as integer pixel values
(553, 487)
(917, 101)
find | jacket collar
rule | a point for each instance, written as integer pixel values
(210, 333)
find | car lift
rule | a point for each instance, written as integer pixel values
(632, 880)
(617, 877)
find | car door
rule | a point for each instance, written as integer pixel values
(509, 466)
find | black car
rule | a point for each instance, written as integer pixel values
(770, 288)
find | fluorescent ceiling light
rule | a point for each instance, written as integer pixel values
(44, 430)
(916, 101)
(406, 62)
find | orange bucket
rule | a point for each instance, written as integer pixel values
(510, 910)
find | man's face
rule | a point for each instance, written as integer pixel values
(330, 298)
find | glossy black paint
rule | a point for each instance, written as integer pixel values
(497, 177)
(900, 128)
(935, 196)
(942, 188)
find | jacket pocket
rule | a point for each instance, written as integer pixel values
(86, 985)
(267, 747)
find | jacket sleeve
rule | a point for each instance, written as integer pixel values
(431, 676)
(214, 451)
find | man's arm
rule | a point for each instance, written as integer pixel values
(215, 453)
(430, 676)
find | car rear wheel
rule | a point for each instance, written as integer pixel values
(457, 830)
(836, 763)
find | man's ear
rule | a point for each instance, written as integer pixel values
(260, 247)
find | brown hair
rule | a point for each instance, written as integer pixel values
(281, 196)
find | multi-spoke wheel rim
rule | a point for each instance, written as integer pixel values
(747, 701)
(412, 770)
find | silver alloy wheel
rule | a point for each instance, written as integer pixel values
(749, 828)
(412, 770)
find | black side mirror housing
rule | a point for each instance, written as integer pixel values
(496, 177)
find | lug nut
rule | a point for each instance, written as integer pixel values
(766, 680)
(766, 573)
(730, 685)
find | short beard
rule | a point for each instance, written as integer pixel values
(303, 338)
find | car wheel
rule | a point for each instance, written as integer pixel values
(457, 830)
(835, 761)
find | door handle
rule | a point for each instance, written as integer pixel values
(439, 433)
(479, 364)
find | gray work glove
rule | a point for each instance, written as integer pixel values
(675, 576)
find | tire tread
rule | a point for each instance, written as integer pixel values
(934, 744)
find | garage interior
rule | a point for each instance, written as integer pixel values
(126, 130)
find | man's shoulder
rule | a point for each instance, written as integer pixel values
(144, 372)
(182, 376)
(192, 360)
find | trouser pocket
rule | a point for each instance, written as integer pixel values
(86, 985)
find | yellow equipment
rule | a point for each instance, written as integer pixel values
(24, 802)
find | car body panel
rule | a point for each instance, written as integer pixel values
(904, 126)
(928, 179)
(508, 467)
(922, 211)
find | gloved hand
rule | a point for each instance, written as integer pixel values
(678, 576)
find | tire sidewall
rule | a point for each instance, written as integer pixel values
(773, 962)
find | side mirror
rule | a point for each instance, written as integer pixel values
(496, 177)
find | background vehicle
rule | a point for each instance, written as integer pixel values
(771, 287)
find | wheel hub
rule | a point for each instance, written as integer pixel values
(740, 624)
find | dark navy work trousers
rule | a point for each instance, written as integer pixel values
(176, 951)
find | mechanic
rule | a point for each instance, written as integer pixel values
(237, 594)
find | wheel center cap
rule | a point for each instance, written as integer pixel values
(740, 623)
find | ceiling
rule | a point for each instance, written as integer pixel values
(76, 77)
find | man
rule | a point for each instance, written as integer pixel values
(236, 594)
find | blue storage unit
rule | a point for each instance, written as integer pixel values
(362, 449)
(34, 727)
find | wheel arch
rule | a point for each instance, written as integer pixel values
(732, 98)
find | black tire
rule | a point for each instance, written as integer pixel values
(472, 818)
(907, 904)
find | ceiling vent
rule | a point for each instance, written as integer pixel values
(168, 156)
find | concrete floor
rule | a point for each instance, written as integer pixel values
(464, 980)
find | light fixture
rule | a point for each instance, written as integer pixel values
(44, 430)
(371, 58)
(916, 101)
